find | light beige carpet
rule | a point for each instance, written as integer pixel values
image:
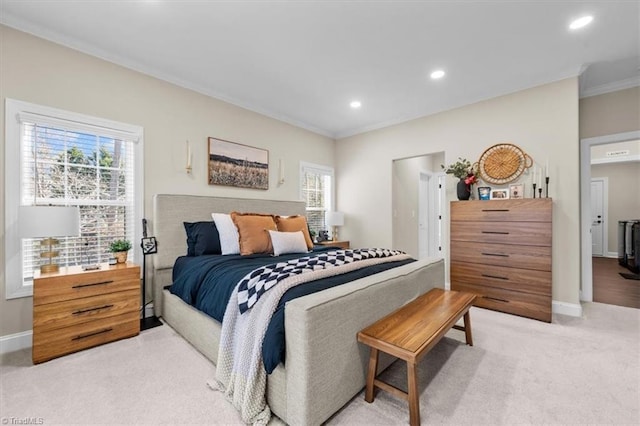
(520, 371)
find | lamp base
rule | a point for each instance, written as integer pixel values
(151, 322)
(49, 268)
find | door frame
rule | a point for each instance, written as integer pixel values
(586, 283)
(605, 213)
(434, 204)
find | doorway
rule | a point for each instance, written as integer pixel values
(599, 219)
(417, 205)
(586, 244)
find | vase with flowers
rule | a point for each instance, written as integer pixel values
(466, 174)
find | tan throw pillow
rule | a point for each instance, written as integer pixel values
(253, 230)
(293, 224)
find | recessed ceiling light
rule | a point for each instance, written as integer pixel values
(437, 74)
(355, 104)
(581, 22)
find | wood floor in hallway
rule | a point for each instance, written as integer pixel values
(610, 287)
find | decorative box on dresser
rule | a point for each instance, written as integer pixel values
(75, 309)
(501, 251)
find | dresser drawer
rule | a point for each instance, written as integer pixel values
(525, 210)
(72, 286)
(524, 304)
(76, 311)
(51, 344)
(513, 279)
(508, 255)
(516, 233)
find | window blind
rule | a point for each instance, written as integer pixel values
(316, 190)
(68, 163)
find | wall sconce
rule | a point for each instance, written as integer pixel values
(188, 158)
(335, 219)
(280, 172)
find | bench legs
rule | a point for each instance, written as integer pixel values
(413, 395)
(371, 374)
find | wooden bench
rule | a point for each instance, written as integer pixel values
(409, 333)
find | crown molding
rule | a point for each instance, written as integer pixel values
(627, 83)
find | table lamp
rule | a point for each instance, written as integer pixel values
(335, 219)
(48, 222)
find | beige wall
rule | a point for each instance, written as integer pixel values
(543, 121)
(44, 73)
(615, 112)
(623, 195)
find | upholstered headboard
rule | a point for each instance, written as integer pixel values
(169, 213)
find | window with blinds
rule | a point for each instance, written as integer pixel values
(316, 189)
(70, 160)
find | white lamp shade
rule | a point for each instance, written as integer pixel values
(335, 219)
(49, 221)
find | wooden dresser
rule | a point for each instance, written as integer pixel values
(501, 251)
(75, 309)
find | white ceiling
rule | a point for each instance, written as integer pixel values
(304, 61)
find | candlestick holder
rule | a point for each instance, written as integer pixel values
(546, 191)
(540, 192)
(534, 190)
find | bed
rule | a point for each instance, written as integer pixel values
(325, 366)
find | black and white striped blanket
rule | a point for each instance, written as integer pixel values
(258, 281)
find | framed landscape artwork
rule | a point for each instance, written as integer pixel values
(234, 164)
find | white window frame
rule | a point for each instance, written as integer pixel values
(14, 109)
(319, 169)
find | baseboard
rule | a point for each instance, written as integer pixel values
(564, 308)
(15, 342)
(612, 254)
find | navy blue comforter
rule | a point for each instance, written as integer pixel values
(206, 282)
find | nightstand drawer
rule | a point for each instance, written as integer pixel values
(62, 286)
(77, 311)
(52, 344)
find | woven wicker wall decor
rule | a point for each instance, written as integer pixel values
(503, 163)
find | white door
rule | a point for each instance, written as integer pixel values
(424, 201)
(597, 217)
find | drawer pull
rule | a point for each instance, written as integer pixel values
(495, 276)
(495, 210)
(496, 232)
(92, 284)
(495, 254)
(95, 333)
(495, 298)
(84, 311)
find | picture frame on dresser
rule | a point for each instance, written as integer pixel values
(516, 191)
(484, 192)
(499, 194)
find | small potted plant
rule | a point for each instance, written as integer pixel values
(466, 173)
(120, 248)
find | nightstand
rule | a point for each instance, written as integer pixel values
(341, 244)
(75, 309)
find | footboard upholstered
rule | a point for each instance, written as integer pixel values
(325, 365)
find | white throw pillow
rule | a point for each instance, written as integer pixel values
(287, 242)
(229, 237)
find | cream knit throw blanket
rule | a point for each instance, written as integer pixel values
(240, 373)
